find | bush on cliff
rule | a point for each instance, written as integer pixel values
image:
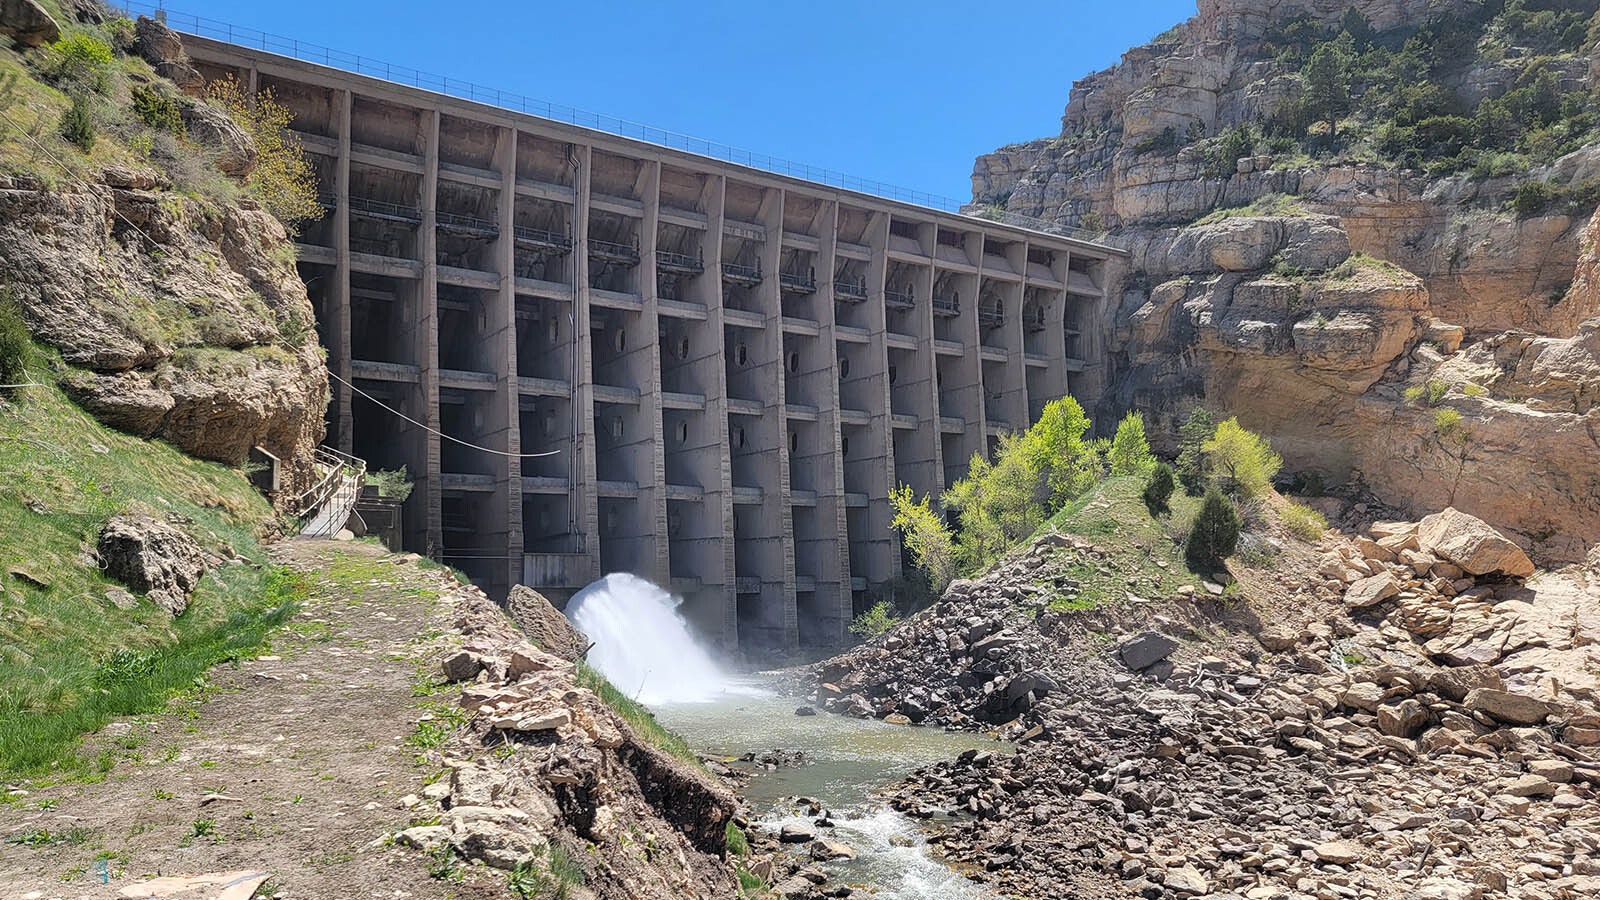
(1214, 534)
(1158, 490)
(14, 343)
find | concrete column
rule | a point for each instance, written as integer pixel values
(833, 595)
(504, 426)
(719, 486)
(877, 556)
(655, 546)
(427, 336)
(339, 328)
(925, 473)
(777, 582)
(1014, 378)
(585, 492)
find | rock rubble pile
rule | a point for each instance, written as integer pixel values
(1417, 721)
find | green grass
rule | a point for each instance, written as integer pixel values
(70, 660)
(1269, 205)
(642, 720)
(1113, 515)
(550, 875)
(738, 844)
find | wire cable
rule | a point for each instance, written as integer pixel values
(436, 432)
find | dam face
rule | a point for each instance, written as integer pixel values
(735, 367)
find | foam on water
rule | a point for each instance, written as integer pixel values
(642, 643)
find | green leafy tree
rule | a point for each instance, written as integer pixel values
(1191, 462)
(1055, 448)
(283, 180)
(1215, 533)
(1130, 452)
(1158, 489)
(998, 505)
(1241, 460)
(1356, 24)
(1327, 84)
(925, 535)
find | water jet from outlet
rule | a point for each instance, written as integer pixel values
(642, 644)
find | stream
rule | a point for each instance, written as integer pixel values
(642, 644)
(848, 760)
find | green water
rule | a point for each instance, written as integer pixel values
(849, 760)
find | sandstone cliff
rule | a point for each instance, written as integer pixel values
(1470, 286)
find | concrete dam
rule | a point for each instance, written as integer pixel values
(734, 367)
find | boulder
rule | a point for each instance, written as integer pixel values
(823, 850)
(1507, 707)
(1339, 853)
(796, 834)
(545, 625)
(1146, 649)
(461, 666)
(153, 558)
(1456, 683)
(1469, 542)
(236, 149)
(27, 23)
(1371, 591)
(1403, 718)
(156, 42)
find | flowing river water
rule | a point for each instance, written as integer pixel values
(643, 647)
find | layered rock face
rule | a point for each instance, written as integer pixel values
(1260, 315)
(187, 318)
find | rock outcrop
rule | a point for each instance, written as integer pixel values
(545, 625)
(154, 559)
(1254, 314)
(27, 23)
(545, 763)
(187, 318)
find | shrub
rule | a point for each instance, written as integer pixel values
(1215, 533)
(1158, 490)
(931, 544)
(1191, 462)
(77, 124)
(875, 621)
(157, 109)
(735, 840)
(1446, 421)
(283, 180)
(1304, 522)
(82, 60)
(392, 484)
(1130, 452)
(1430, 393)
(14, 342)
(1532, 197)
(1242, 460)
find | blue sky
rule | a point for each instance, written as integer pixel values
(900, 92)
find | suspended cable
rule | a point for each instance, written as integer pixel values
(436, 432)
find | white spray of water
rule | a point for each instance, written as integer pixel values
(642, 643)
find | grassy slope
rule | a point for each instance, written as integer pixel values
(1113, 515)
(69, 659)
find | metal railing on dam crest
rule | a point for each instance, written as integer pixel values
(200, 26)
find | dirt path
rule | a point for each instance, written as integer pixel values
(312, 745)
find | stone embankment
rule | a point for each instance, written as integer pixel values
(1411, 715)
(548, 780)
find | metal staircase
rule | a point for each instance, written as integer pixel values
(325, 508)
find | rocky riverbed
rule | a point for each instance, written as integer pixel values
(1325, 737)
